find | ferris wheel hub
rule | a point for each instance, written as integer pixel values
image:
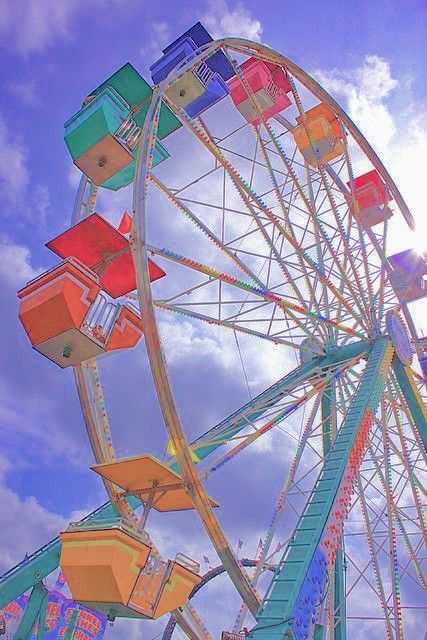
(399, 335)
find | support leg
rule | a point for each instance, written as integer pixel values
(36, 605)
(413, 398)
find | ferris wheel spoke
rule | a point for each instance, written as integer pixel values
(288, 307)
(361, 231)
(248, 194)
(390, 504)
(406, 458)
(286, 218)
(256, 408)
(226, 435)
(320, 250)
(339, 223)
(233, 326)
(375, 563)
(339, 226)
(382, 515)
(316, 222)
(198, 222)
(226, 431)
(381, 546)
(265, 428)
(395, 508)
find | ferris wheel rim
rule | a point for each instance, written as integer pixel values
(145, 299)
(242, 44)
(289, 63)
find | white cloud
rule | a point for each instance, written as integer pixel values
(32, 26)
(160, 38)
(221, 20)
(15, 265)
(41, 203)
(399, 136)
(40, 525)
(15, 181)
(14, 176)
(264, 362)
(366, 90)
(25, 92)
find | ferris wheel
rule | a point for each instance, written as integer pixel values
(259, 209)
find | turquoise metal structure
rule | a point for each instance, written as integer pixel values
(35, 612)
(413, 397)
(329, 428)
(301, 578)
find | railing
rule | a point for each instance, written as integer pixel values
(273, 90)
(147, 585)
(204, 74)
(187, 562)
(100, 318)
(133, 307)
(110, 523)
(128, 134)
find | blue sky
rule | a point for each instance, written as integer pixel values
(371, 55)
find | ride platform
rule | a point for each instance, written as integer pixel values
(105, 562)
(153, 482)
(69, 320)
(111, 568)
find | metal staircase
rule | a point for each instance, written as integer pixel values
(289, 609)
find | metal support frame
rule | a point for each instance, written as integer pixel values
(413, 397)
(304, 558)
(34, 611)
(30, 572)
(72, 624)
(328, 434)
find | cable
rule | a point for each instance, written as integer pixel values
(269, 626)
(243, 364)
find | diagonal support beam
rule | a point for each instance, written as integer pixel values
(413, 397)
(329, 433)
(204, 445)
(36, 605)
(301, 578)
